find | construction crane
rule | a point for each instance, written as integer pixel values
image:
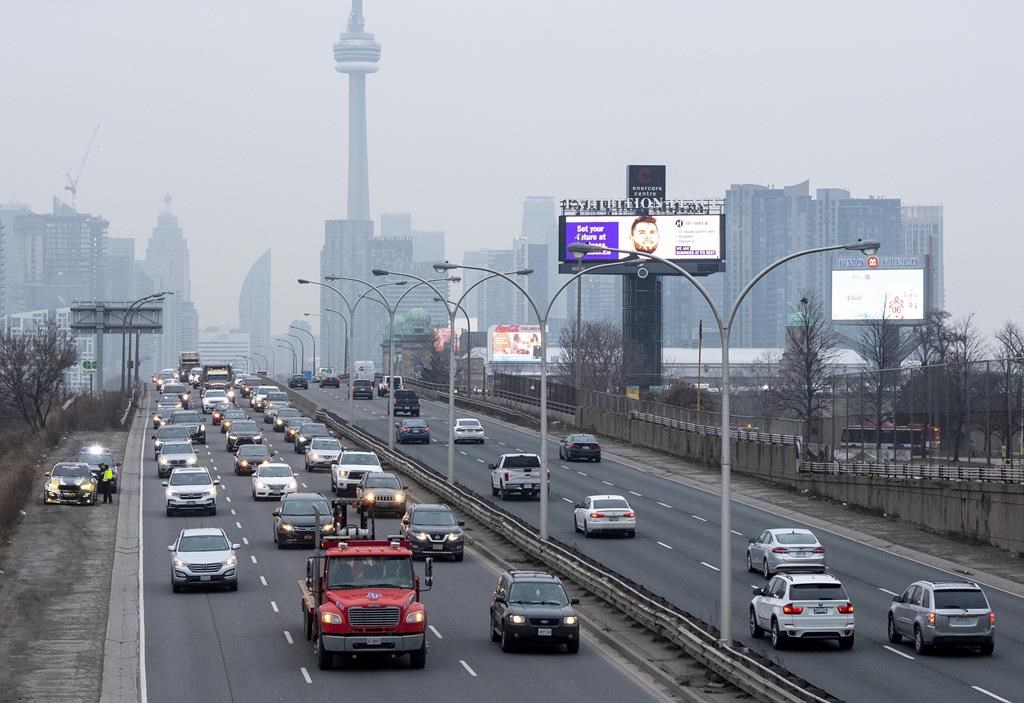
(73, 182)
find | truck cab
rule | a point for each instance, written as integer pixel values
(516, 475)
(362, 598)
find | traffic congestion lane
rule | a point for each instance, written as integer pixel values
(218, 639)
(692, 518)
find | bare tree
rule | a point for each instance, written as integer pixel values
(32, 368)
(764, 389)
(435, 366)
(1009, 348)
(600, 353)
(811, 346)
(966, 349)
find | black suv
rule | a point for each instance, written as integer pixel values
(298, 381)
(432, 530)
(406, 402)
(532, 607)
(362, 389)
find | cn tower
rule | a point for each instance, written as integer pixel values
(356, 53)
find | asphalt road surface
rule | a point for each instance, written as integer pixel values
(676, 555)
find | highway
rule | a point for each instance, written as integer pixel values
(248, 645)
(676, 552)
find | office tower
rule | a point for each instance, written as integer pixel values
(167, 263)
(119, 269)
(493, 302)
(428, 246)
(395, 224)
(223, 345)
(922, 237)
(254, 302)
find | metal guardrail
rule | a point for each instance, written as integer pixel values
(977, 474)
(759, 677)
(716, 430)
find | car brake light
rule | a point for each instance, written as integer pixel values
(819, 550)
(629, 515)
(574, 446)
(506, 475)
(991, 618)
(780, 550)
(790, 609)
(597, 515)
(931, 618)
(846, 609)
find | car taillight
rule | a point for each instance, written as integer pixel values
(846, 609)
(597, 514)
(790, 609)
(574, 446)
(629, 515)
(991, 618)
(506, 475)
(819, 550)
(931, 618)
(780, 550)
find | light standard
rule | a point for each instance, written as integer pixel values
(327, 344)
(266, 363)
(344, 357)
(469, 344)
(580, 250)
(313, 340)
(267, 360)
(126, 322)
(291, 346)
(302, 349)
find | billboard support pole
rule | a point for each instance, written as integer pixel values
(725, 566)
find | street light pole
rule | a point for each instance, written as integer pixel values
(344, 356)
(291, 347)
(126, 322)
(302, 349)
(469, 344)
(580, 250)
(327, 344)
(313, 340)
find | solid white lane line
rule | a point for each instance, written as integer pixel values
(896, 651)
(245, 541)
(305, 674)
(566, 500)
(713, 568)
(436, 633)
(664, 505)
(698, 517)
(886, 590)
(263, 580)
(979, 689)
(288, 636)
(607, 483)
(253, 557)
(274, 606)
(473, 673)
(664, 545)
(638, 495)
(738, 534)
(238, 524)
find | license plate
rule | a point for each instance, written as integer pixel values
(529, 486)
(438, 547)
(373, 641)
(190, 502)
(204, 578)
(308, 538)
(963, 620)
(613, 519)
(543, 631)
(821, 611)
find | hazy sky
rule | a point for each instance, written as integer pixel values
(235, 109)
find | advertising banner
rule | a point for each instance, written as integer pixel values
(875, 294)
(681, 238)
(513, 343)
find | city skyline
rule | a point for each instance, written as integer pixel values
(434, 159)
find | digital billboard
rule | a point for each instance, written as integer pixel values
(875, 294)
(680, 238)
(513, 343)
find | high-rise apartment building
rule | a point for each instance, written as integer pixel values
(922, 237)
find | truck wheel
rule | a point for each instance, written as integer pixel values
(324, 659)
(418, 659)
(504, 494)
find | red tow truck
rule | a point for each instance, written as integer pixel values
(361, 597)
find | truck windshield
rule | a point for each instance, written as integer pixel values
(370, 572)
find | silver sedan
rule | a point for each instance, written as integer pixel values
(787, 549)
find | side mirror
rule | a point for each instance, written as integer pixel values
(216, 482)
(574, 601)
(751, 540)
(170, 547)
(491, 466)
(117, 464)
(758, 590)
(276, 513)
(897, 599)
(461, 523)
(46, 474)
(236, 546)
(163, 483)
(499, 599)
(398, 424)
(152, 436)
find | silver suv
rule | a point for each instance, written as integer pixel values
(203, 556)
(802, 607)
(943, 613)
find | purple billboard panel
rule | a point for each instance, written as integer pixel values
(593, 231)
(682, 237)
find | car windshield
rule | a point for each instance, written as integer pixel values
(531, 461)
(420, 424)
(244, 426)
(370, 572)
(433, 518)
(796, 538)
(176, 448)
(960, 599)
(274, 472)
(611, 504)
(203, 543)
(91, 456)
(235, 415)
(305, 507)
(189, 478)
(278, 395)
(313, 427)
(469, 424)
(362, 459)
(166, 433)
(251, 450)
(584, 439)
(215, 394)
(72, 470)
(818, 591)
(287, 412)
(187, 416)
(296, 422)
(538, 594)
(325, 443)
(382, 481)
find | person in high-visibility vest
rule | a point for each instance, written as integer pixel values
(106, 482)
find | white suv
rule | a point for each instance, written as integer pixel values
(802, 607)
(212, 398)
(191, 488)
(203, 556)
(350, 469)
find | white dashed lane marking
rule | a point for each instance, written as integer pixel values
(664, 505)
(253, 557)
(288, 637)
(607, 483)
(638, 495)
(263, 580)
(238, 524)
(305, 674)
(567, 500)
(979, 689)
(467, 667)
(698, 517)
(273, 605)
(713, 568)
(581, 473)
(245, 541)
(665, 545)
(886, 590)
(738, 534)
(898, 652)
(436, 633)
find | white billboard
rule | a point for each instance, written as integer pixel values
(513, 343)
(874, 294)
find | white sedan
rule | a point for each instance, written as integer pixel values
(606, 513)
(273, 481)
(468, 429)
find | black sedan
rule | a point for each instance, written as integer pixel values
(298, 381)
(244, 432)
(579, 446)
(249, 457)
(295, 519)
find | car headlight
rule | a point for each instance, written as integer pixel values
(301, 438)
(292, 485)
(329, 527)
(399, 497)
(193, 460)
(231, 561)
(87, 487)
(454, 537)
(53, 486)
(369, 497)
(231, 394)
(260, 485)
(163, 460)
(180, 563)
(243, 462)
(329, 618)
(202, 428)
(569, 620)
(258, 435)
(422, 536)
(343, 473)
(418, 616)
(287, 527)
(314, 457)
(158, 443)
(232, 436)
(516, 619)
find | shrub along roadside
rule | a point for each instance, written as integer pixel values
(23, 453)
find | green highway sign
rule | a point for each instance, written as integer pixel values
(88, 366)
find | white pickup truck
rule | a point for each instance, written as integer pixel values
(516, 474)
